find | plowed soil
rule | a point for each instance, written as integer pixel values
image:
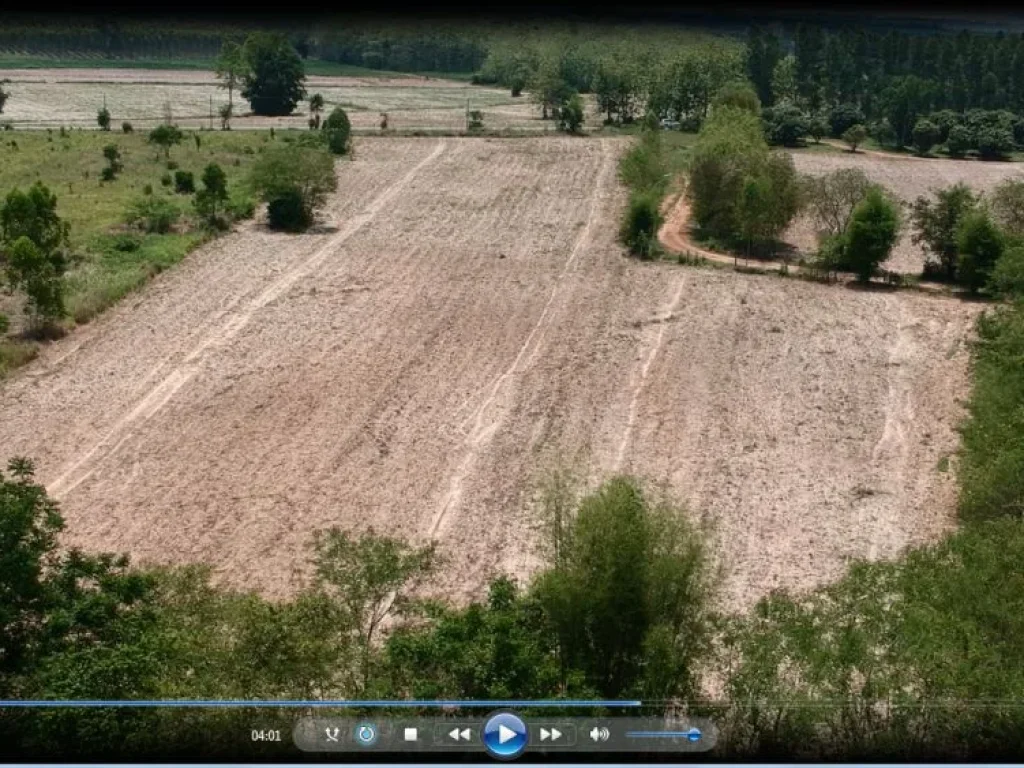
(462, 317)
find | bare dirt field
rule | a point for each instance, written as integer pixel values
(463, 317)
(42, 98)
(907, 177)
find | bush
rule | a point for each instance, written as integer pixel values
(5, 324)
(103, 119)
(285, 169)
(740, 95)
(994, 142)
(126, 127)
(786, 125)
(212, 198)
(287, 211)
(147, 189)
(166, 180)
(570, 115)
(337, 130)
(855, 135)
(639, 230)
(1007, 278)
(184, 182)
(108, 174)
(153, 214)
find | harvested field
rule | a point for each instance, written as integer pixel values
(907, 177)
(50, 98)
(463, 317)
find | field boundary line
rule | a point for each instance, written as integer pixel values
(158, 396)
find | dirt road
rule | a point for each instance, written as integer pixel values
(463, 319)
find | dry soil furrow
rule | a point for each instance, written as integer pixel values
(82, 466)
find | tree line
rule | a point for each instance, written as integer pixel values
(963, 91)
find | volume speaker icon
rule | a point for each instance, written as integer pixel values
(599, 734)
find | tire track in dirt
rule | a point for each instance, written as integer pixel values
(484, 428)
(891, 451)
(666, 317)
(158, 396)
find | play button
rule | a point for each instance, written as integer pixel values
(504, 735)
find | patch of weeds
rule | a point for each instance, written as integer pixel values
(15, 353)
(943, 465)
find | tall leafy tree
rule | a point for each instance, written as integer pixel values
(274, 74)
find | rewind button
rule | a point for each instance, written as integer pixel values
(455, 734)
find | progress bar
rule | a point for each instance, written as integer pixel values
(321, 704)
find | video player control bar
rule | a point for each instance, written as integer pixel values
(505, 734)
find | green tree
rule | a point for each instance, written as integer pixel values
(925, 136)
(103, 119)
(771, 197)
(818, 128)
(32, 242)
(4, 95)
(631, 585)
(570, 115)
(274, 75)
(337, 130)
(935, 226)
(729, 147)
(316, 106)
(854, 136)
(370, 579)
(211, 199)
(231, 68)
(872, 232)
(166, 136)
(979, 245)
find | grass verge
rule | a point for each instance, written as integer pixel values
(108, 259)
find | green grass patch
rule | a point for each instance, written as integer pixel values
(108, 259)
(15, 353)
